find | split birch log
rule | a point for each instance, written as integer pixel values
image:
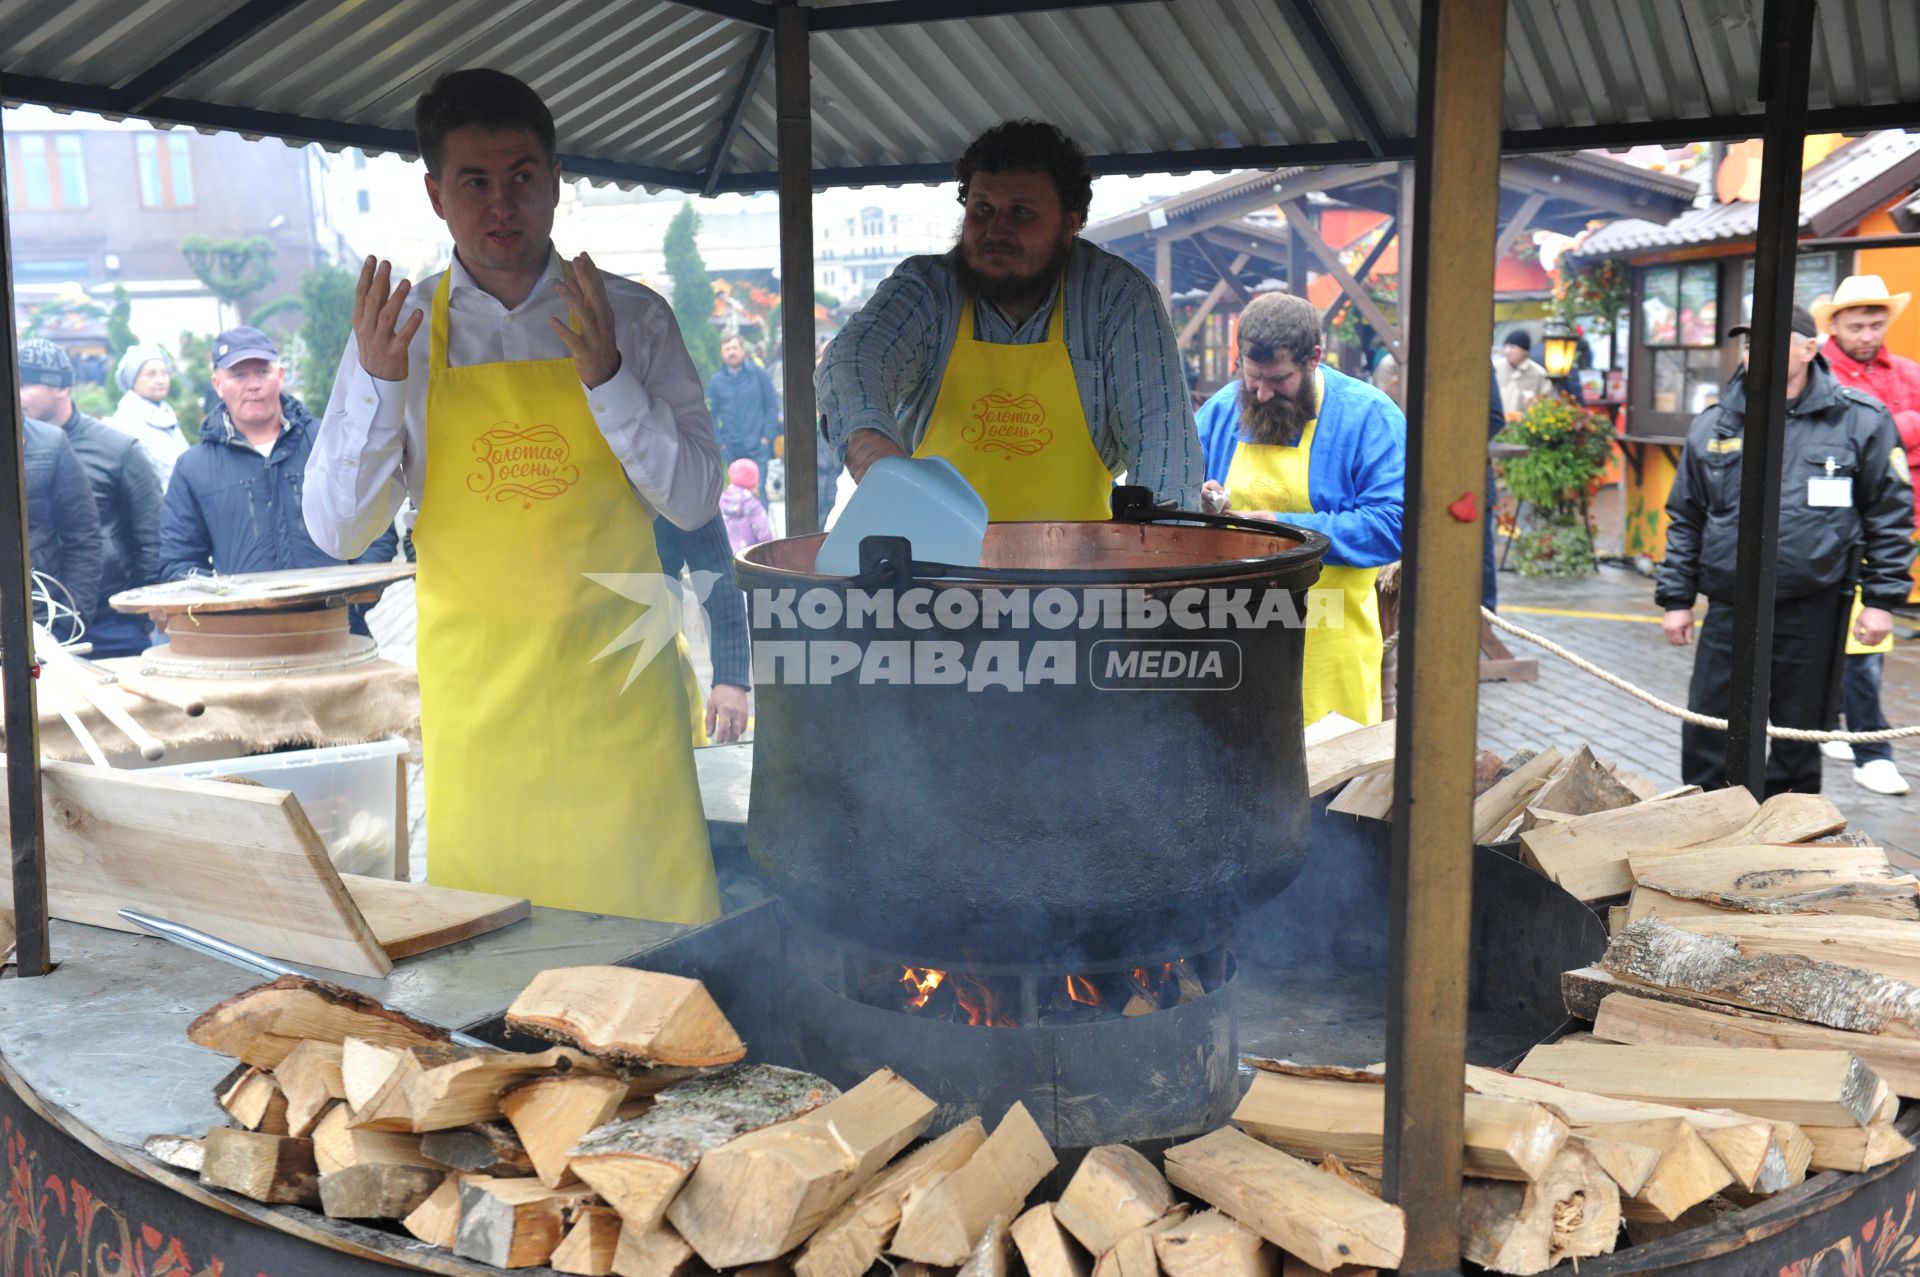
(1718, 968)
(1629, 1165)
(552, 1114)
(1134, 1254)
(640, 1163)
(989, 1255)
(1890, 948)
(850, 1242)
(1318, 1217)
(513, 1223)
(484, 1148)
(1644, 1022)
(436, 1221)
(253, 1100)
(589, 1246)
(376, 1191)
(1824, 1088)
(1047, 1250)
(1788, 818)
(1310, 1117)
(310, 1077)
(1368, 796)
(1572, 1211)
(1892, 900)
(277, 1169)
(338, 1144)
(1331, 763)
(182, 1152)
(261, 1025)
(1211, 1244)
(1114, 1192)
(1750, 1147)
(365, 1068)
(1588, 855)
(630, 1016)
(758, 1196)
(1583, 787)
(942, 1219)
(1507, 797)
(1686, 1171)
(651, 1252)
(1765, 870)
(1856, 1148)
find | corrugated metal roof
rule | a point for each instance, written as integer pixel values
(1856, 178)
(643, 88)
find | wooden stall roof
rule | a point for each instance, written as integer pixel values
(678, 93)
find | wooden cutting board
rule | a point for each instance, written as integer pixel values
(240, 862)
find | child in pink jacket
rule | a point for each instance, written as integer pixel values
(746, 518)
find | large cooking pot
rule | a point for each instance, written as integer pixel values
(1121, 775)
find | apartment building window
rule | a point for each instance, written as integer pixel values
(48, 171)
(166, 173)
(363, 201)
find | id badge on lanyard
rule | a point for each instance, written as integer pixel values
(1830, 492)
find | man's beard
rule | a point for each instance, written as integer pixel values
(1014, 287)
(1280, 419)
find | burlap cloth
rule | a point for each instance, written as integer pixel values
(250, 715)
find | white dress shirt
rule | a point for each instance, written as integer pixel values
(371, 450)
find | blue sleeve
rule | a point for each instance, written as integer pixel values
(707, 551)
(1218, 422)
(1365, 497)
(186, 545)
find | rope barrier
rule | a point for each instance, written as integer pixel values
(1680, 712)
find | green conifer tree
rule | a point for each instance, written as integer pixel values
(692, 291)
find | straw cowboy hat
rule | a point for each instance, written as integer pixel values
(1860, 290)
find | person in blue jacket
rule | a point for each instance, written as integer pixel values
(1297, 441)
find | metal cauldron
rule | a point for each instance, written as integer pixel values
(1136, 805)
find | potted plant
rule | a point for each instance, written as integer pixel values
(1567, 449)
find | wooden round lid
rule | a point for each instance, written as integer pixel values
(296, 588)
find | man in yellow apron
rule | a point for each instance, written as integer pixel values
(539, 414)
(1039, 365)
(1304, 444)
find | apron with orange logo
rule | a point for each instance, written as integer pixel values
(1009, 419)
(550, 773)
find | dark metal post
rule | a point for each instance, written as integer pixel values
(1786, 55)
(793, 109)
(1448, 308)
(22, 716)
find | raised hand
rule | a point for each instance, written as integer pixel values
(592, 344)
(376, 311)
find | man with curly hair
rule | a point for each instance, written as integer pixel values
(1036, 363)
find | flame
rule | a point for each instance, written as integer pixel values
(923, 981)
(977, 998)
(1081, 990)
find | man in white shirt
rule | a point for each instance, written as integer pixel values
(539, 415)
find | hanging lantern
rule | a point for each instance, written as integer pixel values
(1558, 347)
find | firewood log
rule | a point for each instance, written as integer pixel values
(1588, 854)
(1211, 1244)
(1824, 1088)
(1318, 1217)
(1046, 1248)
(261, 1025)
(1581, 787)
(757, 1197)
(277, 1169)
(941, 1221)
(551, 1114)
(1572, 1211)
(989, 1256)
(1134, 1254)
(436, 1221)
(634, 1017)
(373, 1190)
(434, 1088)
(513, 1223)
(638, 1165)
(1114, 1192)
(338, 1144)
(1627, 1164)
(850, 1242)
(365, 1068)
(1788, 818)
(651, 1252)
(1686, 1172)
(1855, 1148)
(310, 1077)
(182, 1152)
(589, 1246)
(484, 1148)
(253, 1100)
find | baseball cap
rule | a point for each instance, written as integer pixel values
(1803, 325)
(237, 344)
(42, 363)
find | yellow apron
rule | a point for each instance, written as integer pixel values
(1341, 669)
(1009, 419)
(690, 680)
(1854, 646)
(544, 778)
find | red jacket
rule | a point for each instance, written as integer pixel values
(1895, 382)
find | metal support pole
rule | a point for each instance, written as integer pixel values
(1786, 56)
(794, 111)
(1448, 308)
(22, 717)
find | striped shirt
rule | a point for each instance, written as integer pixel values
(883, 371)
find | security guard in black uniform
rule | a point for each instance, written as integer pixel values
(1846, 516)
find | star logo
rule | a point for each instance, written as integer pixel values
(663, 602)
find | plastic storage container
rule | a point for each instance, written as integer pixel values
(924, 499)
(351, 793)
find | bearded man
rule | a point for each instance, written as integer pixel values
(1039, 365)
(1296, 441)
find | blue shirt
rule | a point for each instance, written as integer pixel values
(883, 371)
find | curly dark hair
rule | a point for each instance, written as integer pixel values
(1023, 146)
(1276, 322)
(478, 97)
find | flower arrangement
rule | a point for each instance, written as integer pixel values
(1567, 450)
(1603, 288)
